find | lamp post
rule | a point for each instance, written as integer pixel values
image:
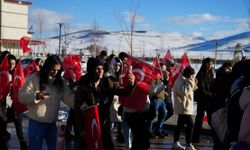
(60, 32)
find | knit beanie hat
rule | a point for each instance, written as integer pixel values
(92, 64)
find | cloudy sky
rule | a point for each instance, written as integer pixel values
(207, 18)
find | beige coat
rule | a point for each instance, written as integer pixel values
(44, 110)
(183, 95)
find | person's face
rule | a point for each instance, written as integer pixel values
(103, 57)
(53, 72)
(99, 71)
(163, 67)
(166, 75)
(125, 60)
(209, 65)
(12, 64)
(40, 63)
(117, 67)
(169, 68)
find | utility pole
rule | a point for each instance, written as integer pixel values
(216, 50)
(60, 32)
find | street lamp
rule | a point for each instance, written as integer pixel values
(60, 32)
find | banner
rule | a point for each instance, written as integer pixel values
(92, 128)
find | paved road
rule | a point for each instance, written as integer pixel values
(156, 144)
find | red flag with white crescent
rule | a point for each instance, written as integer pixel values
(92, 128)
(144, 74)
(4, 78)
(178, 68)
(24, 42)
(17, 83)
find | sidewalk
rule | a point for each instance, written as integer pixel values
(156, 144)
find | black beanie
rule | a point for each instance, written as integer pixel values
(92, 64)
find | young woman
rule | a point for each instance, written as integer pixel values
(183, 90)
(95, 89)
(43, 92)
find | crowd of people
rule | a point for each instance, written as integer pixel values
(44, 90)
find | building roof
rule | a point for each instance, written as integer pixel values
(18, 2)
(32, 42)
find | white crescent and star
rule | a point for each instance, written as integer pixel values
(142, 74)
(94, 126)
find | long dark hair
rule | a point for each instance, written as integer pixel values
(202, 70)
(49, 63)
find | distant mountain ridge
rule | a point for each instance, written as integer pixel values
(148, 43)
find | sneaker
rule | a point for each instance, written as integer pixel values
(178, 146)
(190, 147)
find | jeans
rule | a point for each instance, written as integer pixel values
(160, 106)
(38, 131)
(126, 133)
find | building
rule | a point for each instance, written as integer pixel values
(13, 25)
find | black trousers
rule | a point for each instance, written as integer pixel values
(181, 122)
(17, 120)
(3, 141)
(137, 123)
(201, 109)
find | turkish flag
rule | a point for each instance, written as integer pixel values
(30, 69)
(92, 128)
(156, 63)
(4, 78)
(167, 56)
(144, 74)
(17, 83)
(24, 42)
(178, 68)
(72, 67)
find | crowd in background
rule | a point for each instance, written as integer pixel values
(212, 89)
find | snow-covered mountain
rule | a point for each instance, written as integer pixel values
(149, 43)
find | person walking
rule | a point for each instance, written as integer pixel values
(42, 93)
(95, 89)
(183, 90)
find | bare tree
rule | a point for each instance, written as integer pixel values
(66, 40)
(94, 48)
(128, 30)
